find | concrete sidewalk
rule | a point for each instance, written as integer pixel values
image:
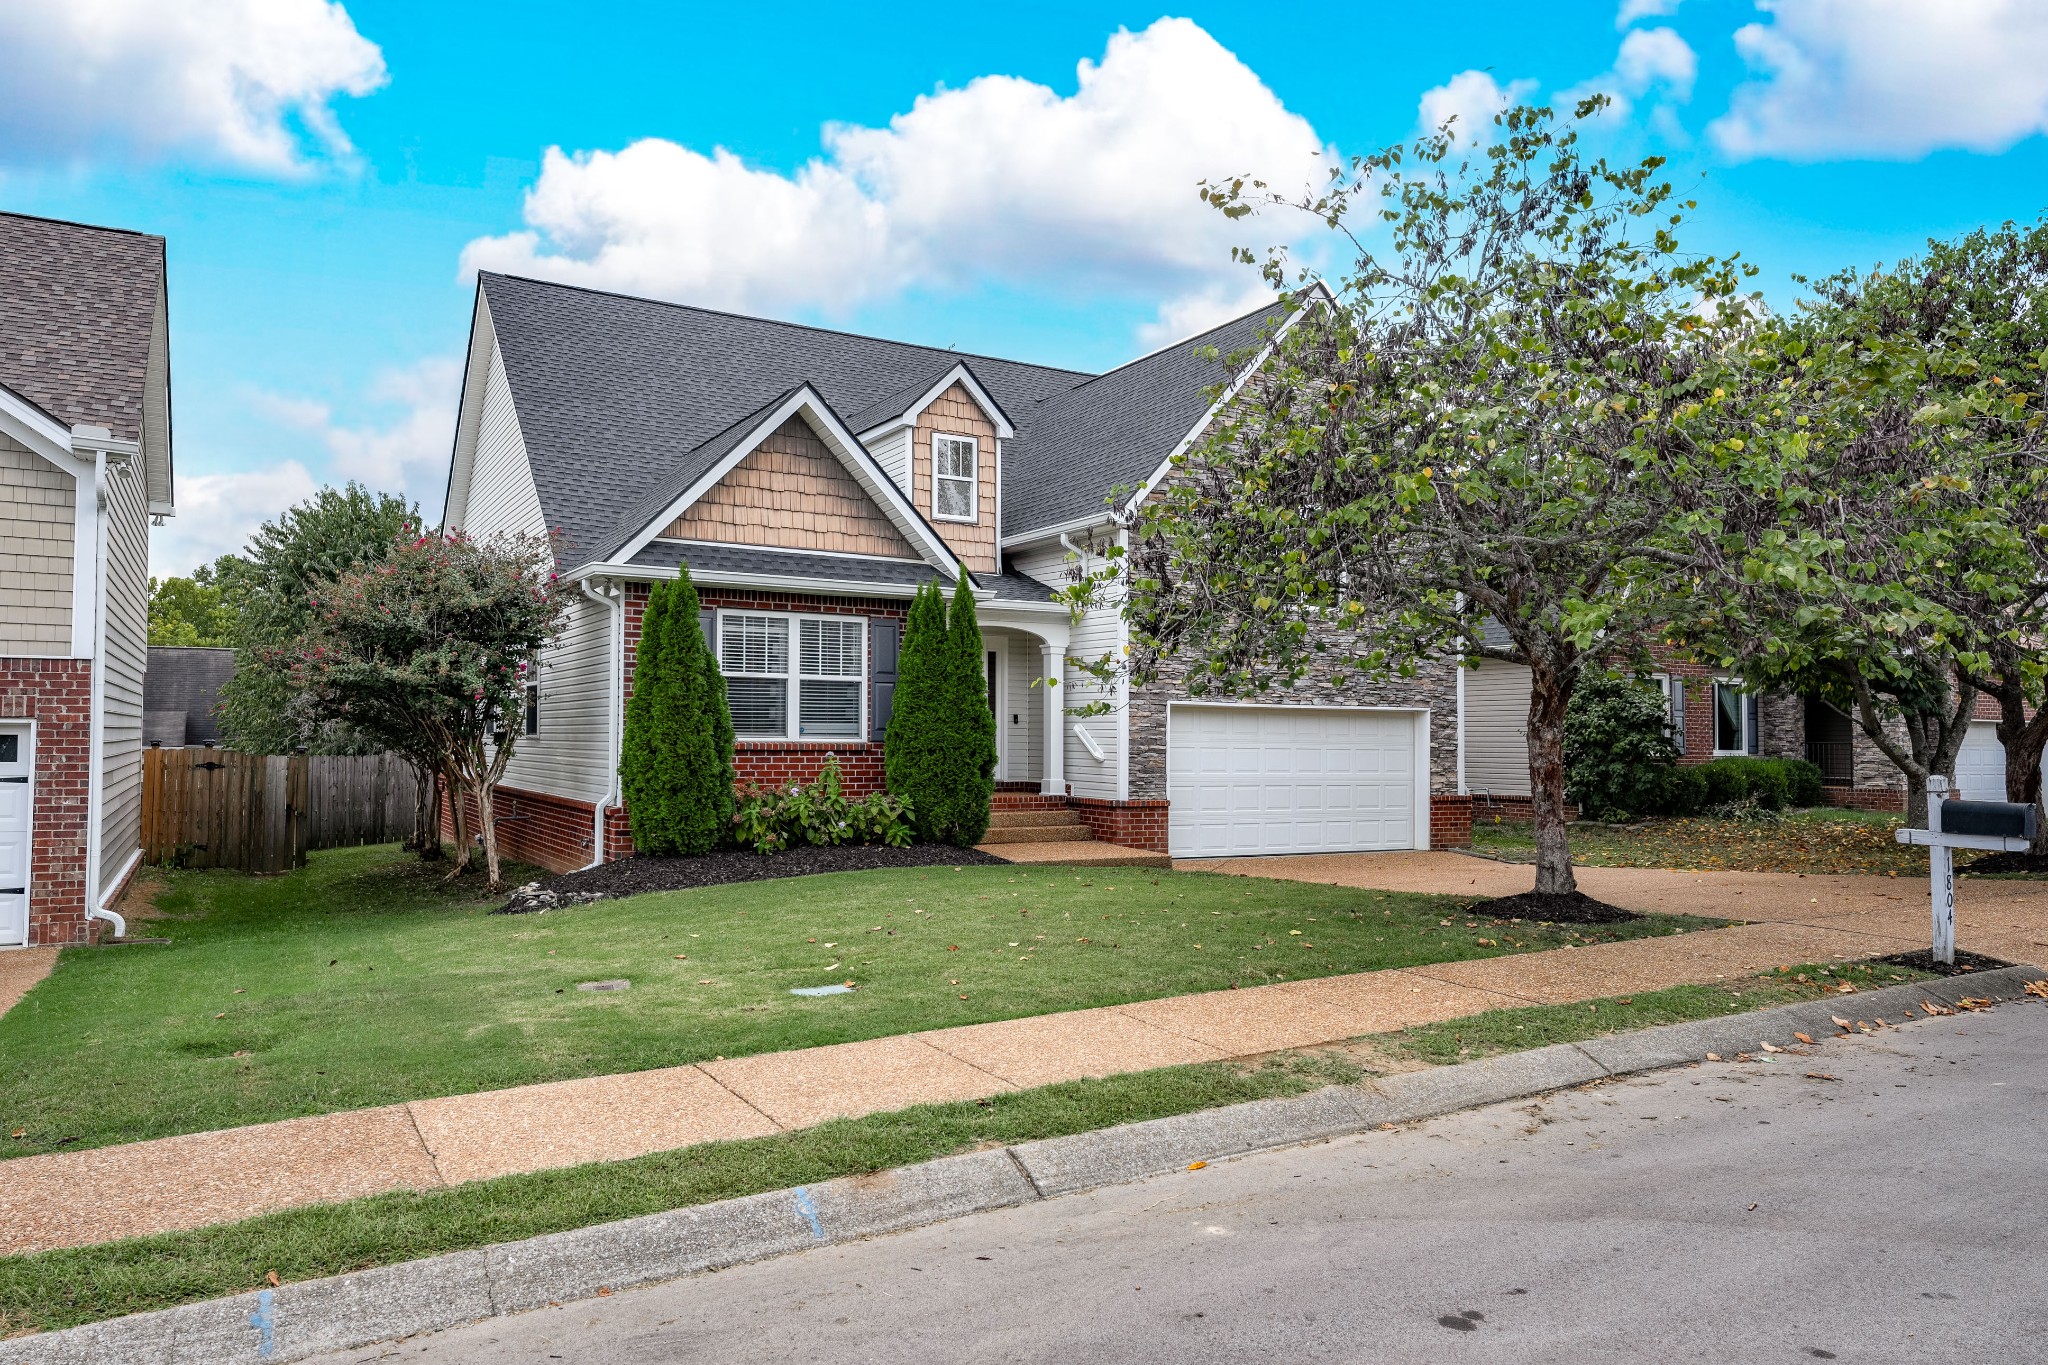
(76, 1198)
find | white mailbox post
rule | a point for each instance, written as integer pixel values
(2000, 826)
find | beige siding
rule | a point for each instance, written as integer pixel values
(793, 493)
(955, 413)
(1100, 631)
(501, 496)
(567, 757)
(36, 507)
(125, 650)
(1497, 729)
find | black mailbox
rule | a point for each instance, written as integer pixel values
(1998, 819)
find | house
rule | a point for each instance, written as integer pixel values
(85, 461)
(182, 693)
(811, 480)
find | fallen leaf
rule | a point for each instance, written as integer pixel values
(1971, 1002)
(1821, 1076)
(270, 1277)
(1839, 1020)
(1770, 1048)
(1802, 1038)
(1196, 1165)
(2039, 988)
(705, 982)
(603, 1292)
(220, 1016)
(682, 957)
(20, 1132)
(1626, 1000)
(1713, 1056)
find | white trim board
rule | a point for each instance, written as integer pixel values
(964, 377)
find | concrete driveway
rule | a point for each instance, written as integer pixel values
(2006, 919)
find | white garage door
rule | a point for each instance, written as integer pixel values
(1980, 766)
(1292, 779)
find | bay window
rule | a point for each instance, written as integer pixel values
(794, 677)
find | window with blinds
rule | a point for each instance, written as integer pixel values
(812, 691)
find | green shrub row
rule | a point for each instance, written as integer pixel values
(1767, 783)
(771, 819)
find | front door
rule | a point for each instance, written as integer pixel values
(17, 798)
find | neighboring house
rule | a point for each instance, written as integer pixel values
(811, 480)
(1714, 716)
(180, 695)
(85, 461)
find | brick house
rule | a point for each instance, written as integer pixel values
(85, 463)
(811, 480)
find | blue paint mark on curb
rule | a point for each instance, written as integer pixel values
(264, 1320)
(807, 1209)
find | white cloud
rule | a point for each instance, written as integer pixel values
(1888, 78)
(217, 513)
(1471, 98)
(407, 454)
(1002, 180)
(1196, 312)
(1652, 63)
(249, 83)
(1632, 10)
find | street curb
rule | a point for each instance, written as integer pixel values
(363, 1308)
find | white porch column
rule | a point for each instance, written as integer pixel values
(1051, 665)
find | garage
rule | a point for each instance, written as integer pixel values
(1980, 764)
(1295, 779)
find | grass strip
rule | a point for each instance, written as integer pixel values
(1516, 1030)
(55, 1289)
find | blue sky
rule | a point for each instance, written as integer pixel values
(329, 174)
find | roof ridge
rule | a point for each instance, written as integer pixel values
(779, 322)
(1156, 352)
(157, 237)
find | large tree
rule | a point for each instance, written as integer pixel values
(437, 642)
(1502, 413)
(191, 611)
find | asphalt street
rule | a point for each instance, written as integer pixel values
(1874, 1200)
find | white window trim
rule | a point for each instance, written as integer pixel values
(793, 709)
(1735, 686)
(1674, 725)
(973, 482)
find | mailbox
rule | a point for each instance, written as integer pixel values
(1995, 819)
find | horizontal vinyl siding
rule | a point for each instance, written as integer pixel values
(892, 453)
(1026, 738)
(126, 652)
(502, 496)
(1099, 631)
(568, 756)
(36, 506)
(1497, 729)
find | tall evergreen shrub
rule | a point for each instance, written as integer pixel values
(940, 746)
(675, 763)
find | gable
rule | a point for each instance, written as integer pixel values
(791, 492)
(956, 413)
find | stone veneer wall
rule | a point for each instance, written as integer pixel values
(57, 695)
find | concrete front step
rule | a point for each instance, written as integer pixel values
(1037, 834)
(1084, 854)
(999, 818)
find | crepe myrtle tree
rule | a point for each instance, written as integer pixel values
(1504, 412)
(433, 645)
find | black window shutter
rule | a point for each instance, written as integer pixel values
(885, 633)
(1755, 745)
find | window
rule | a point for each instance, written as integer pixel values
(816, 690)
(532, 708)
(1731, 718)
(955, 478)
(1674, 706)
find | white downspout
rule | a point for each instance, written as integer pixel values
(95, 781)
(615, 684)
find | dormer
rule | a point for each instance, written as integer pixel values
(941, 441)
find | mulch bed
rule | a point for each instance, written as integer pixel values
(1995, 864)
(640, 874)
(1575, 907)
(1964, 965)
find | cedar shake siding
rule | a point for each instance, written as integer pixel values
(955, 413)
(36, 511)
(794, 494)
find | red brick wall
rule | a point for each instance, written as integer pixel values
(1865, 798)
(57, 695)
(1450, 821)
(772, 764)
(1134, 824)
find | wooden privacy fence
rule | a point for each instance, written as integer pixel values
(264, 812)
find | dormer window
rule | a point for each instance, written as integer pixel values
(956, 478)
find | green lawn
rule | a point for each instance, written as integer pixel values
(358, 981)
(1818, 840)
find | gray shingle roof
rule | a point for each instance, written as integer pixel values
(709, 561)
(1074, 448)
(624, 402)
(76, 307)
(616, 394)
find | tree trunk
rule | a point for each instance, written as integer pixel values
(2021, 735)
(461, 817)
(1550, 692)
(488, 828)
(426, 826)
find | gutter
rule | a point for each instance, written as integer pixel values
(103, 447)
(615, 685)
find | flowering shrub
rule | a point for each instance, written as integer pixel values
(771, 819)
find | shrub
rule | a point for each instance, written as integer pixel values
(1726, 783)
(772, 819)
(1618, 751)
(939, 753)
(1808, 786)
(675, 760)
(1684, 792)
(1766, 783)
